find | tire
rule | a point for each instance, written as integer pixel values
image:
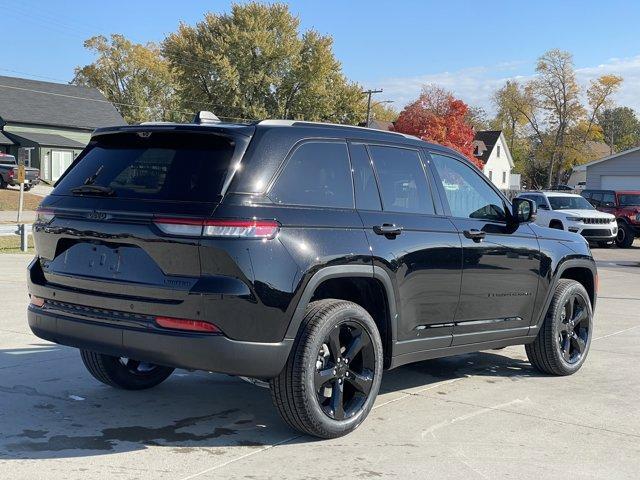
(124, 373)
(308, 393)
(556, 225)
(3, 184)
(625, 235)
(27, 188)
(555, 350)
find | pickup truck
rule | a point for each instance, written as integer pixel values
(9, 173)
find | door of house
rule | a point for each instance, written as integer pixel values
(60, 161)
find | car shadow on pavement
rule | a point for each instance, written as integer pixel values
(50, 407)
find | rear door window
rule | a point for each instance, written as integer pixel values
(317, 174)
(163, 166)
(402, 179)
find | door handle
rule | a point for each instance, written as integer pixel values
(475, 234)
(388, 230)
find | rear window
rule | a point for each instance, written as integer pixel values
(162, 166)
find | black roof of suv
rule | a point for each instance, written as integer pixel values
(310, 255)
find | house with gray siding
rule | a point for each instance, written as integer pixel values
(48, 124)
(620, 171)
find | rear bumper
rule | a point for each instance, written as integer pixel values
(193, 351)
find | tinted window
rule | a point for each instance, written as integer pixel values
(608, 198)
(364, 180)
(537, 199)
(318, 175)
(586, 195)
(403, 183)
(569, 203)
(468, 194)
(629, 199)
(163, 166)
(596, 199)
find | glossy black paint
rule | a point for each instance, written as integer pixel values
(445, 293)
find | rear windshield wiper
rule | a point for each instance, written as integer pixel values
(93, 190)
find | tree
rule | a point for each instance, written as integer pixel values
(253, 63)
(384, 112)
(134, 77)
(559, 127)
(477, 118)
(439, 117)
(620, 128)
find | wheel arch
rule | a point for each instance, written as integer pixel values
(582, 270)
(556, 221)
(370, 287)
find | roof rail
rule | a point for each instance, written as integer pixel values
(289, 123)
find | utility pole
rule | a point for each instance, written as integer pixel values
(370, 93)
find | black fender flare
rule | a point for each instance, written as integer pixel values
(563, 265)
(344, 271)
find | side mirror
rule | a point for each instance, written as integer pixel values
(609, 205)
(524, 210)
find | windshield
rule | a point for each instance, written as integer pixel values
(569, 203)
(629, 199)
(162, 166)
(7, 160)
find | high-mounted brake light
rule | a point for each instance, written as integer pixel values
(186, 324)
(218, 228)
(44, 215)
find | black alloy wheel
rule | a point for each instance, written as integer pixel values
(563, 341)
(344, 370)
(574, 329)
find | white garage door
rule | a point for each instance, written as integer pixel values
(620, 182)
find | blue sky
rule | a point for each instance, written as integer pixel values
(469, 47)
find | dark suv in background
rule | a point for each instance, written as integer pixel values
(312, 256)
(625, 205)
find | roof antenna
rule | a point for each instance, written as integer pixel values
(204, 116)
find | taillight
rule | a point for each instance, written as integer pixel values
(241, 228)
(186, 324)
(44, 215)
(265, 229)
(11, 173)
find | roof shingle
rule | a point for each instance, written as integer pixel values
(56, 104)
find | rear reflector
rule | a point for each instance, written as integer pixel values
(218, 228)
(36, 301)
(185, 324)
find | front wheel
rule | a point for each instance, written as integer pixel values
(563, 341)
(625, 236)
(332, 377)
(122, 372)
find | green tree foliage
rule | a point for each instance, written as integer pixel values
(253, 63)
(620, 128)
(134, 77)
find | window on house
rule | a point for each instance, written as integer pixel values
(498, 151)
(504, 177)
(491, 175)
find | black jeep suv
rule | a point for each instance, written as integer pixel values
(312, 256)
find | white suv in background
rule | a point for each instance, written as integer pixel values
(567, 211)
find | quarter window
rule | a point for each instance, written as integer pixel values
(317, 175)
(403, 183)
(468, 194)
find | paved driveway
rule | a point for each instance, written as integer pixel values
(484, 415)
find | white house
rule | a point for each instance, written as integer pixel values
(491, 148)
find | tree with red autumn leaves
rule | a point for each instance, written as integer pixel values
(437, 116)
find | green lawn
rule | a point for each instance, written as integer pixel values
(12, 245)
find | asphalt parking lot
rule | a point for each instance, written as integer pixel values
(483, 415)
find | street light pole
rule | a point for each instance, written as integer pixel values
(370, 93)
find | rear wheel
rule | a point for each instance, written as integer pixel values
(563, 341)
(122, 372)
(625, 235)
(332, 377)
